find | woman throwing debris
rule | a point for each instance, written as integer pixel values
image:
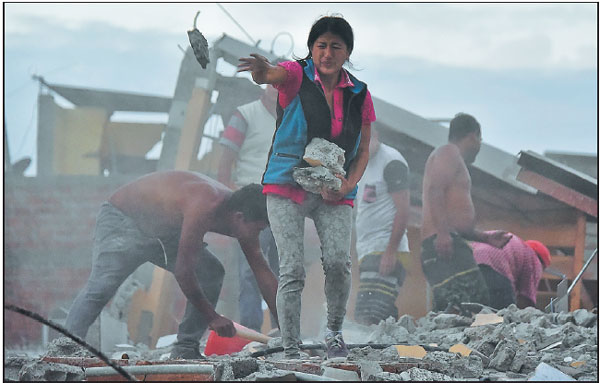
(317, 99)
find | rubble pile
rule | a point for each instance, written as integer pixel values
(521, 345)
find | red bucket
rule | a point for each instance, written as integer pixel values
(219, 345)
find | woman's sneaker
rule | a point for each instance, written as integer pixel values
(336, 347)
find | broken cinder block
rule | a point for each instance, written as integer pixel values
(326, 160)
(314, 179)
(320, 152)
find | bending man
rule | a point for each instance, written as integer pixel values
(162, 218)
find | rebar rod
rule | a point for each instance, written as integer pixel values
(75, 338)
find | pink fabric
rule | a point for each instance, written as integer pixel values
(288, 91)
(516, 261)
(297, 194)
(235, 136)
(290, 88)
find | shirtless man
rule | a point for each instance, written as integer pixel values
(449, 220)
(162, 218)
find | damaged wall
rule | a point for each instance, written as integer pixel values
(48, 231)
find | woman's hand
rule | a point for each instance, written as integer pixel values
(329, 194)
(258, 66)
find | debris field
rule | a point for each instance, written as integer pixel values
(509, 345)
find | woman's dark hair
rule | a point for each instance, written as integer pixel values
(250, 201)
(334, 24)
(461, 126)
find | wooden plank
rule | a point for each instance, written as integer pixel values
(412, 299)
(158, 300)
(575, 298)
(560, 192)
(191, 133)
(564, 264)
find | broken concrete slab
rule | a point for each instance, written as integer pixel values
(454, 365)
(516, 349)
(584, 318)
(408, 322)
(446, 321)
(389, 332)
(369, 370)
(314, 179)
(546, 373)
(13, 365)
(274, 376)
(64, 346)
(326, 160)
(42, 371)
(418, 374)
(520, 357)
(387, 377)
(340, 374)
(389, 354)
(229, 368)
(320, 152)
(503, 355)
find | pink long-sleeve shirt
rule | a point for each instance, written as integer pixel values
(516, 261)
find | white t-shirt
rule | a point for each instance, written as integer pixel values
(387, 171)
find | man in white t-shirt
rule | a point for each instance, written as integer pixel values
(381, 221)
(246, 142)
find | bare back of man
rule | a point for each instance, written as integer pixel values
(162, 218)
(158, 201)
(447, 204)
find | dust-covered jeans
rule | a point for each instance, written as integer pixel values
(120, 248)
(334, 225)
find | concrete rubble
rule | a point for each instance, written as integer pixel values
(527, 342)
(325, 159)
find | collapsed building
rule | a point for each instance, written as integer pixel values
(84, 154)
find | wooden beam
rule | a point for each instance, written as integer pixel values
(564, 264)
(196, 111)
(560, 192)
(158, 301)
(575, 299)
(552, 235)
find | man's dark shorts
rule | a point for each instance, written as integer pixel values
(455, 280)
(501, 291)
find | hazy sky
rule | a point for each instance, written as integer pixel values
(528, 72)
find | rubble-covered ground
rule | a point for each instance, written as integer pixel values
(510, 350)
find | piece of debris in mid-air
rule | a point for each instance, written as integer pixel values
(199, 44)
